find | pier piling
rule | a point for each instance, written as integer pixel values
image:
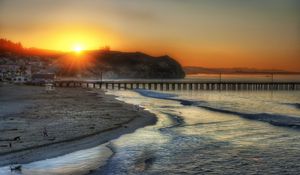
(185, 85)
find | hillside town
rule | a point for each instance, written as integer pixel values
(15, 69)
(19, 65)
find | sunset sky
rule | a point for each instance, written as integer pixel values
(208, 33)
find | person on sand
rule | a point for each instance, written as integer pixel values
(45, 132)
(136, 107)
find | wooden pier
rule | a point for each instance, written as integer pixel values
(182, 85)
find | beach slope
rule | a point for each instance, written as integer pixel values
(36, 125)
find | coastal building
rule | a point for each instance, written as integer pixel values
(43, 78)
(20, 79)
(9, 71)
(9, 67)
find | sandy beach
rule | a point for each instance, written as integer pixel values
(36, 125)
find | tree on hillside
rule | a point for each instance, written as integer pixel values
(7, 45)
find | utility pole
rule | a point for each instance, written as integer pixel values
(101, 76)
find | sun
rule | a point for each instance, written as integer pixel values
(77, 48)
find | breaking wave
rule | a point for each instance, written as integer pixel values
(273, 119)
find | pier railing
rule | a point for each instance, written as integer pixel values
(166, 85)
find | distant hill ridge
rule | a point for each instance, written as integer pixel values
(199, 70)
(17, 48)
(97, 63)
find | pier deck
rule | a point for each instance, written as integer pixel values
(166, 85)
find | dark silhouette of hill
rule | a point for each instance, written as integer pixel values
(95, 63)
(203, 70)
(116, 64)
(7, 46)
(135, 65)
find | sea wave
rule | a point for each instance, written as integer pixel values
(296, 105)
(165, 96)
(153, 94)
(273, 119)
(177, 121)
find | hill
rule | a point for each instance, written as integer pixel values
(127, 65)
(91, 64)
(203, 70)
(16, 48)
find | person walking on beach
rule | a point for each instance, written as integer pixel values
(45, 132)
(136, 107)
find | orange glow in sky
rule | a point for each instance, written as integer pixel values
(254, 34)
(71, 38)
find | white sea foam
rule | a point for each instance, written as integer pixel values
(76, 163)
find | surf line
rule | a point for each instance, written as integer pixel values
(273, 119)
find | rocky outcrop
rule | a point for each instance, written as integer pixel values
(115, 64)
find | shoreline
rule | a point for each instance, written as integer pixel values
(141, 119)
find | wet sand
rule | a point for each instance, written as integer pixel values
(36, 125)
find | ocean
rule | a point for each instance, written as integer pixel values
(197, 132)
(211, 132)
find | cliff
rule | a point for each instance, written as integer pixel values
(114, 64)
